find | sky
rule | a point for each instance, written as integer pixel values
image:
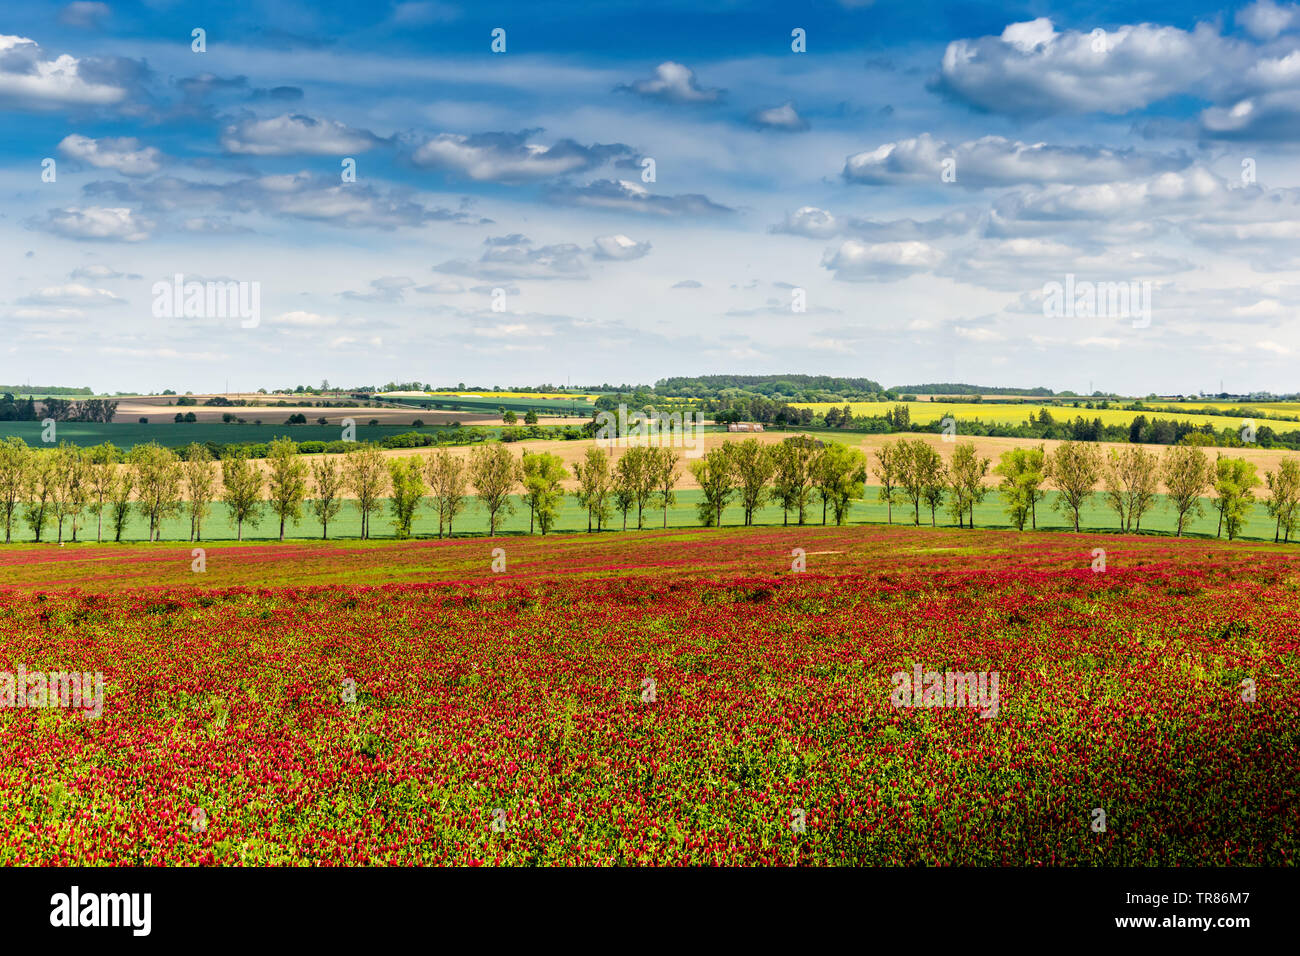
(524, 193)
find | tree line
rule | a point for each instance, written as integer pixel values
(1127, 478)
(58, 491)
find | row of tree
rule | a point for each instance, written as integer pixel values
(1128, 478)
(53, 490)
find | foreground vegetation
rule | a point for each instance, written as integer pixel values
(663, 698)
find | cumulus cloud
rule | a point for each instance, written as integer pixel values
(1271, 116)
(672, 83)
(619, 247)
(511, 158)
(625, 196)
(1031, 68)
(295, 135)
(882, 261)
(124, 154)
(1265, 20)
(96, 222)
(997, 161)
(784, 117)
(33, 79)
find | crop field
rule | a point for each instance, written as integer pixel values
(659, 698)
(164, 431)
(923, 413)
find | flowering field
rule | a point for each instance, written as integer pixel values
(664, 698)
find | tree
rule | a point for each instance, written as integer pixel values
(754, 466)
(1234, 483)
(119, 499)
(66, 497)
(15, 460)
(916, 465)
(793, 475)
(286, 481)
(101, 473)
(966, 479)
(530, 417)
(242, 490)
(494, 473)
(1022, 473)
(327, 477)
(1074, 467)
(665, 472)
(1185, 472)
(364, 475)
(406, 476)
(42, 477)
(1283, 503)
(448, 484)
(841, 474)
(509, 418)
(886, 472)
(1130, 479)
(157, 484)
(716, 476)
(542, 474)
(628, 480)
(593, 489)
(936, 488)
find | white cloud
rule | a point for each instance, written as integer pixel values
(73, 294)
(1033, 69)
(784, 117)
(674, 83)
(295, 135)
(97, 222)
(1265, 20)
(619, 247)
(35, 80)
(880, 262)
(509, 157)
(124, 154)
(997, 161)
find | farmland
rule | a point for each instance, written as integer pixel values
(667, 697)
(1008, 413)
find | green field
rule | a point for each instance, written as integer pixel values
(177, 435)
(989, 514)
(576, 405)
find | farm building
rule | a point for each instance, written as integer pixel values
(745, 427)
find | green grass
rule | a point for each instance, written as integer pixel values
(989, 514)
(164, 431)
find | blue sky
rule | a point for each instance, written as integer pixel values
(503, 227)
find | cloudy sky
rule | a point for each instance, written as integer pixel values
(648, 189)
